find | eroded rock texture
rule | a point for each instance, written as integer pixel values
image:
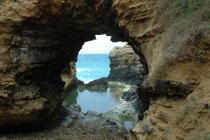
(125, 65)
(38, 38)
(68, 75)
(174, 39)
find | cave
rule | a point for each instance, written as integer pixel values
(42, 47)
(99, 67)
(87, 81)
(40, 38)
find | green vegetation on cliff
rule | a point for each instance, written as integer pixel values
(188, 7)
(182, 9)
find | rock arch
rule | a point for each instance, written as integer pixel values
(39, 37)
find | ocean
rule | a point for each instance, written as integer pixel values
(92, 66)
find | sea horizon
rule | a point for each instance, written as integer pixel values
(92, 66)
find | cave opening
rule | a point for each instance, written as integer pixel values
(92, 71)
(93, 59)
(95, 94)
(41, 49)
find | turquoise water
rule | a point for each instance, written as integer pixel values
(102, 100)
(92, 66)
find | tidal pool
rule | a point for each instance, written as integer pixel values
(98, 101)
(107, 101)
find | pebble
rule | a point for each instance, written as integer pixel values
(147, 128)
(153, 121)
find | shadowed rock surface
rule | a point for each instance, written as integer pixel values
(38, 38)
(69, 76)
(97, 84)
(37, 43)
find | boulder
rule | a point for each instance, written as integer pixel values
(99, 85)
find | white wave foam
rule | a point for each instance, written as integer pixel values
(79, 69)
(84, 69)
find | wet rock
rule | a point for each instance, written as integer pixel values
(97, 85)
(130, 95)
(110, 124)
(93, 114)
(73, 110)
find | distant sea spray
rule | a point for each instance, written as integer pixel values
(92, 66)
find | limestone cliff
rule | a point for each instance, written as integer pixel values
(38, 38)
(125, 65)
(173, 37)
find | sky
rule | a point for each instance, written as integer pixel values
(102, 44)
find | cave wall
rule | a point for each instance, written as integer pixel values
(38, 38)
(68, 75)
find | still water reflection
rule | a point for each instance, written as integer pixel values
(101, 100)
